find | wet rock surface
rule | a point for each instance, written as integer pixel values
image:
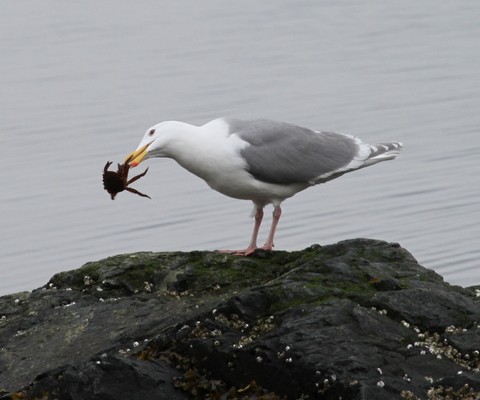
(356, 320)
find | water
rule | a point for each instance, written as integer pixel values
(82, 81)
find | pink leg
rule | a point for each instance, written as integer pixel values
(277, 212)
(253, 241)
(258, 221)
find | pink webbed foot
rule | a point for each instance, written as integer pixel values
(244, 252)
(266, 247)
(248, 251)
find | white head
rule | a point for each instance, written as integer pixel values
(156, 141)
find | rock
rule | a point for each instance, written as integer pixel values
(109, 378)
(356, 320)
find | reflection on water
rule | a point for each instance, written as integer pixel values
(81, 83)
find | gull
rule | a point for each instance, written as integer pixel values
(263, 161)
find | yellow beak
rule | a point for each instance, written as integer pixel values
(137, 156)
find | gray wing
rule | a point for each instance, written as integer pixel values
(283, 153)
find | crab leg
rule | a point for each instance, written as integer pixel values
(137, 177)
(137, 192)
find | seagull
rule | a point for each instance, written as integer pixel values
(260, 160)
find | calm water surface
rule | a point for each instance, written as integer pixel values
(82, 81)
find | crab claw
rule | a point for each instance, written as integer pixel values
(107, 166)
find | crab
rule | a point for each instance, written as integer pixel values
(115, 182)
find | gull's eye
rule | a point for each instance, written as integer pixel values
(152, 131)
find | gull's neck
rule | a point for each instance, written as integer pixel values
(199, 149)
